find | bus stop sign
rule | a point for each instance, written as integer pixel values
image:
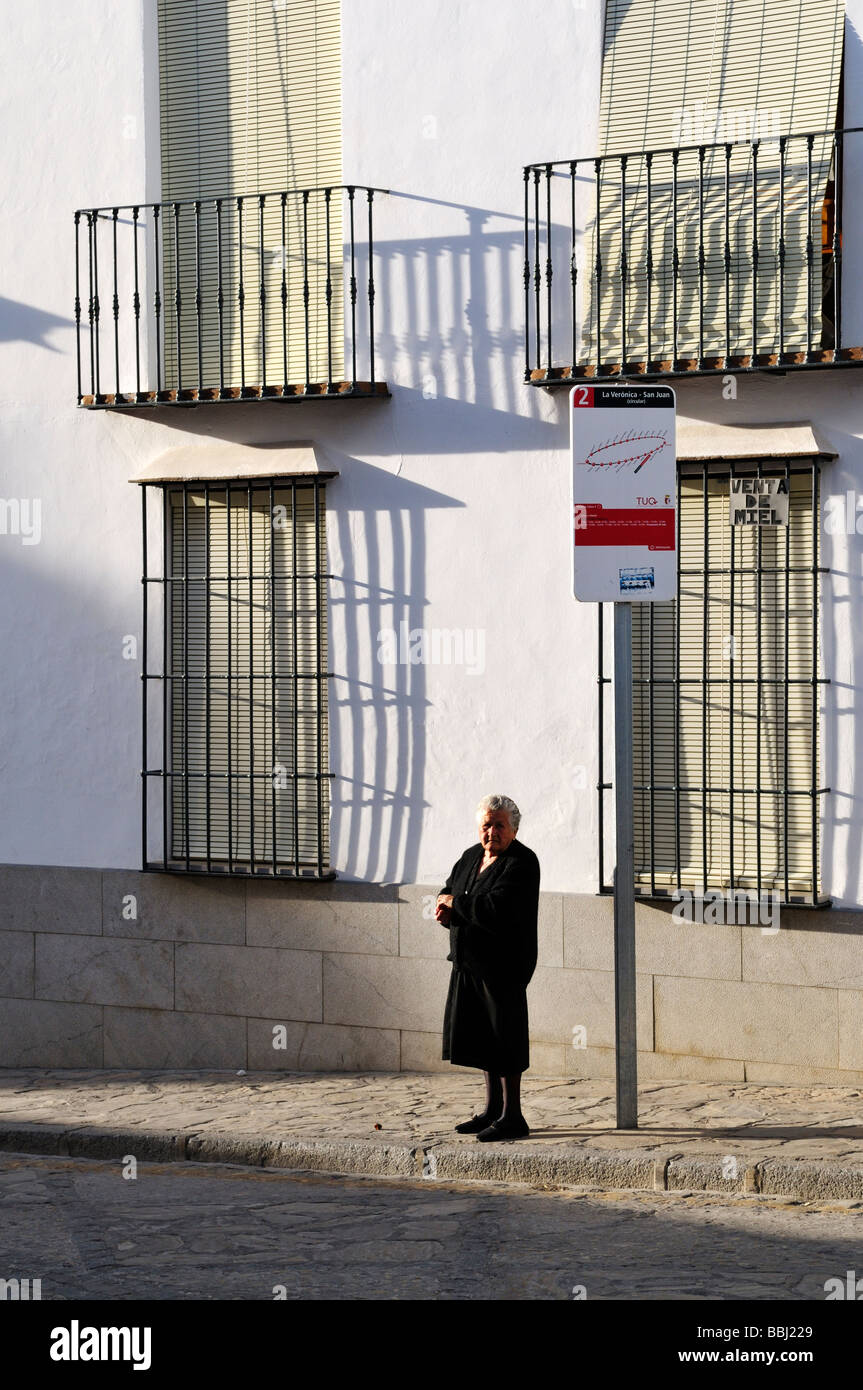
(624, 493)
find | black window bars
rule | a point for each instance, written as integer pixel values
(265, 296)
(726, 700)
(704, 258)
(235, 622)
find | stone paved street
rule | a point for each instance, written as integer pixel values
(220, 1233)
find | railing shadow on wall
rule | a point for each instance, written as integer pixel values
(22, 323)
(842, 820)
(379, 706)
(447, 324)
(449, 315)
(378, 583)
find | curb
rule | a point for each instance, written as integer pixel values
(504, 1162)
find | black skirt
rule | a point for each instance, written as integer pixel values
(485, 1025)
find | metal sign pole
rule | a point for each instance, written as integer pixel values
(624, 531)
(626, 1055)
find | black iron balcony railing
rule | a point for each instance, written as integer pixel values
(721, 257)
(266, 296)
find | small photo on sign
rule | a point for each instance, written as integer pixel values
(641, 578)
(758, 502)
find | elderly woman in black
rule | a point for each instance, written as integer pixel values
(490, 903)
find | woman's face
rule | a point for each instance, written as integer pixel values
(495, 832)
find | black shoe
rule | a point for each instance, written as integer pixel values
(505, 1129)
(479, 1122)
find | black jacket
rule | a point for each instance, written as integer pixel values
(493, 928)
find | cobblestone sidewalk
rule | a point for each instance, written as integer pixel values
(795, 1141)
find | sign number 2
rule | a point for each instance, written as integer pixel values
(583, 396)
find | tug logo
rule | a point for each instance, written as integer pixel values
(77, 1343)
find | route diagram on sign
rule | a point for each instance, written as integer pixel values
(630, 450)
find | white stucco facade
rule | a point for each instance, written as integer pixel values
(451, 507)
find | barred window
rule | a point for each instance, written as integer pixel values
(235, 624)
(726, 697)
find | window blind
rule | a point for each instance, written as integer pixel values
(688, 72)
(250, 95)
(248, 694)
(723, 699)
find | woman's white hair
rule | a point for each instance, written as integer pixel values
(499, 803)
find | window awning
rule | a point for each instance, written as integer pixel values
(699, 439)
(221, 460)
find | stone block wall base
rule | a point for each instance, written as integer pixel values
(119, 969)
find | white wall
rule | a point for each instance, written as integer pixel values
(76, 134)
(451, 509)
